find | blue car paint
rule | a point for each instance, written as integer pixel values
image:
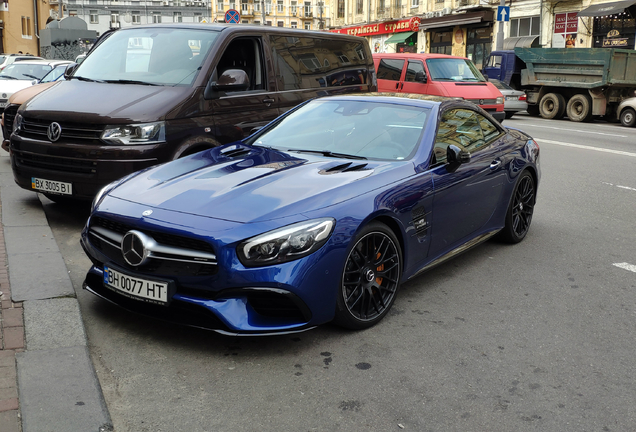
(249, 197)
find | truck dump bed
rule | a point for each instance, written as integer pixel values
(578, 67)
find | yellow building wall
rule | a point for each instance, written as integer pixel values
(12, 39)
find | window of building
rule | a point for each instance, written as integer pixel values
(219, 6)
(528, 26)
(72, 13)
(198, 17)
(136, 17)
(341, 8)
(114, 17)
(307, 26)
(281, 24)
(94, 17)
(245, 21)
(177, 17)
(233, 5)
(156, 17)
(294, 7)
(244, 6)
(294, 24)
(257, 6)
(279, 6)
(415, 3)
(268, 23)
(26, 28)
(359, 6)
(307, 9)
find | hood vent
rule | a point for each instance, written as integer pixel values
(345, 167)
(235, 151)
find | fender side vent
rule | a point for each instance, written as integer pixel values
(420, 221)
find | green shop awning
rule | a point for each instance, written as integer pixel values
(399, 37)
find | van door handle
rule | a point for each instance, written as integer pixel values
(268, 101)
(397, 85)
(495, 164)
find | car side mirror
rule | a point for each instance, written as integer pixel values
(457, 156)
(232, 80)
(420, 77)
(70, 69)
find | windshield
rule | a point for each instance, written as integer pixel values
(25, 71)
(341, 128)
(153, 56)
(453, 69)
(55, 74)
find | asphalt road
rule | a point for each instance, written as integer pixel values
(536, 336)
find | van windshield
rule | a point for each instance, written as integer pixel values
(153, 56)
(453, 69)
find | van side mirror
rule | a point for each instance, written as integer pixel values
(70, 69)
(232, 80)
(420, 77)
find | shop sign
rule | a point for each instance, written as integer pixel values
(386, 27)
(616, 42)
(565, 30)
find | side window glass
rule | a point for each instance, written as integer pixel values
(316, 62)
(489, 130)
(413, 68)
(457, 127)
(390, 69)
(245, 54)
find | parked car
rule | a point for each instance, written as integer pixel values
(24, 74)
(7, 59)
(151, 94)
(438, 75)
(318, 216)
(514, 100)
(626, 112)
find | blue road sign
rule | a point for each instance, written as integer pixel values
(232, 16)
(503, 13)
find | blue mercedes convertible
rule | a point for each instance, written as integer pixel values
(317, 217)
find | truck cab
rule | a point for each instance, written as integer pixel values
(505, 66)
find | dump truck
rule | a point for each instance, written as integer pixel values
(578, 82)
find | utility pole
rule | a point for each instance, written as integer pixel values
(263, 12)
(500, 26)
(321, 26)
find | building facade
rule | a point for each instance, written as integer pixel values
(20, 21)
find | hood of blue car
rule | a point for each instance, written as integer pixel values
(253, 184)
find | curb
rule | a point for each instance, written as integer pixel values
(47, 379)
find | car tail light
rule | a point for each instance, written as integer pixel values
(523, 97)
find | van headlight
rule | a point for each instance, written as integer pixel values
(499, 100)
(135, 133)
(17, 123)
(285, 244)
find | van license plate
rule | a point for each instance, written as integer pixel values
(148, 290)
(52, 186)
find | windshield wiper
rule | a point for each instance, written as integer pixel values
(328, 154)
(130, 82)
(81, 78)
(31, 76)
(7, 77)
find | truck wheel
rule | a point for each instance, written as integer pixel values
(579, 108)
(628, 117)
(533, 110)
(552, 106)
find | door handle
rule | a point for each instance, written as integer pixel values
(495, 164)
(268, 101)
(402, 86)
(397, 85)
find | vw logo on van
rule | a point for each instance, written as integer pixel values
(54, 131)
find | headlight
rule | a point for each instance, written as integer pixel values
(135, 134)
(17, 123)
(109, 187)
(285, 244)
(499, 100)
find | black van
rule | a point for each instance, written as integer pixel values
(151, 94)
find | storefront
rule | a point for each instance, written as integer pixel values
(466, 34)
(614, 24)
(388, 36)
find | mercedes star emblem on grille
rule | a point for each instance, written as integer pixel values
(133, 248)
(54, 131)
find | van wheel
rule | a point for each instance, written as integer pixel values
(628, 117)
(579, 108)
(552, 106)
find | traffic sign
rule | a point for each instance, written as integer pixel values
(503, 13)
(232, 16)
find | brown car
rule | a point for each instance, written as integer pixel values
(151, 94)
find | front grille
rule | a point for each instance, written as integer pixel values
(71, 132)
(54, 163)
(9, 116)
(181, 256)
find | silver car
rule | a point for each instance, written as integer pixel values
(626, 112)
(514, 100)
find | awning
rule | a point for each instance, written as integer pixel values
(457, 19)
(400, 37)
(605, 9)
(521, 41)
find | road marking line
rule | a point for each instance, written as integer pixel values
(573, 130)
(604, 150)
(621, 187)
(626, 266)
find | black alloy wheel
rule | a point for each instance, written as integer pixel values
(520, 211)
(370, 278)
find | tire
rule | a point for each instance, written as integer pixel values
(628, 117)
(579, 108)
(509, 114)
(370, 278)
(520, 209)
(552, 106)
(533, 110)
